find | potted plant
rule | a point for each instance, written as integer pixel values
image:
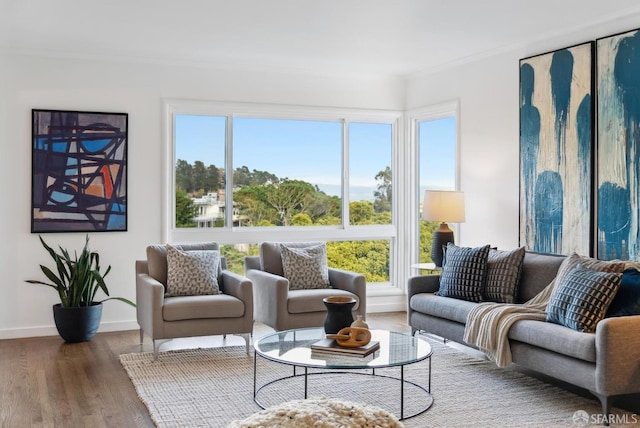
(78, 279)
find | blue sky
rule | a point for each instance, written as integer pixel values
(311, 150)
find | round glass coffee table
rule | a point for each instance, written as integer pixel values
(293, 348)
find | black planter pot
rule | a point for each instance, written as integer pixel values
(339, 313)
(77, 324)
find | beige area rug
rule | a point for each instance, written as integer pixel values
(214, 387)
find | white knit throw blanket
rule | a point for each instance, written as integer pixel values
(488, 324)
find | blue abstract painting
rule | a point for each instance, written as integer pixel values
(618, 79)
(79, 171)
(556, 146)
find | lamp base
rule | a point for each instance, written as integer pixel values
(441, 237)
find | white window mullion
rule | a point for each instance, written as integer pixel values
(228, 174)
(345, 174)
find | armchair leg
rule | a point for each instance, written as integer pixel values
(156, 347)
(247, 338)
(141, 337)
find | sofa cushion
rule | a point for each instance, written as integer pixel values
(503, 275)
(305, 268)
(441, 307)
(202, 307)
(157, 258)
(556, 338)
(464, 273)
(192, 273)
(538, 271)
(590, 263)
(582, 297)
(271, 256)
(627, 300)
(302, 301)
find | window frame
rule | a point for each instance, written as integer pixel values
(242, 235)
(413, 119)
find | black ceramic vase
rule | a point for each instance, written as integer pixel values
(77, 324)
(339, 313)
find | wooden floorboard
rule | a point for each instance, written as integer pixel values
(45, 382)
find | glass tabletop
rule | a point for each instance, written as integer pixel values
(294, 347)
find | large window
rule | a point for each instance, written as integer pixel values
(287, 172)
(436, 139)
(243, 174)
(199, 170)
(370, 178)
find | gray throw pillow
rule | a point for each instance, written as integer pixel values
(582, 298)
(588, 263)
(464, 273)
(306, 267)
(192, 273)
(503, 275)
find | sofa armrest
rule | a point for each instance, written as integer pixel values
(251, 262)
(240, 287)
(352, 282)
(270, 294)
(618, 355)
(149, 303)
(423, 284)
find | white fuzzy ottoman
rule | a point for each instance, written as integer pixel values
(319, 413)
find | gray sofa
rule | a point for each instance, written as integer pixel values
(606, 362)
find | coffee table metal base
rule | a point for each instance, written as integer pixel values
(428, 398)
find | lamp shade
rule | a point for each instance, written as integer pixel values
(443, 206)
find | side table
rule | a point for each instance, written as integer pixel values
(427, 266)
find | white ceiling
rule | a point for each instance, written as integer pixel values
(379, 37)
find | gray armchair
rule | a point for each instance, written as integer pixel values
(281, 308)
(163, 318)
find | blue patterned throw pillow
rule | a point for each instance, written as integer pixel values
(627, 300)
(580, 301)
(464, 273)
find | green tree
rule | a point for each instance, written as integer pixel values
(212, 179)
(288, 198)
(251, 200)
(321, 205)
(234, 256)
(301, 219)
(184, 175)
(186, 211)
(371, 258)
(360, 212)
(199, 176)
(241, 176)
(382, 201)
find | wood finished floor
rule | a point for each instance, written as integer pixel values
(45, 382)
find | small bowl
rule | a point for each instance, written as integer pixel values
(339, 299)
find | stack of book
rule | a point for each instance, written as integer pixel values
(330, 346)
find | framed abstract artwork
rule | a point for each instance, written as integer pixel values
(556, 151)
(618, 177)
(79, 171)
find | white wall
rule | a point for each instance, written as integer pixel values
(138, 89)
(488, 91)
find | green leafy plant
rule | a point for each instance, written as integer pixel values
(78, 279)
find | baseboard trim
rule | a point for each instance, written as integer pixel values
(42, 331)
